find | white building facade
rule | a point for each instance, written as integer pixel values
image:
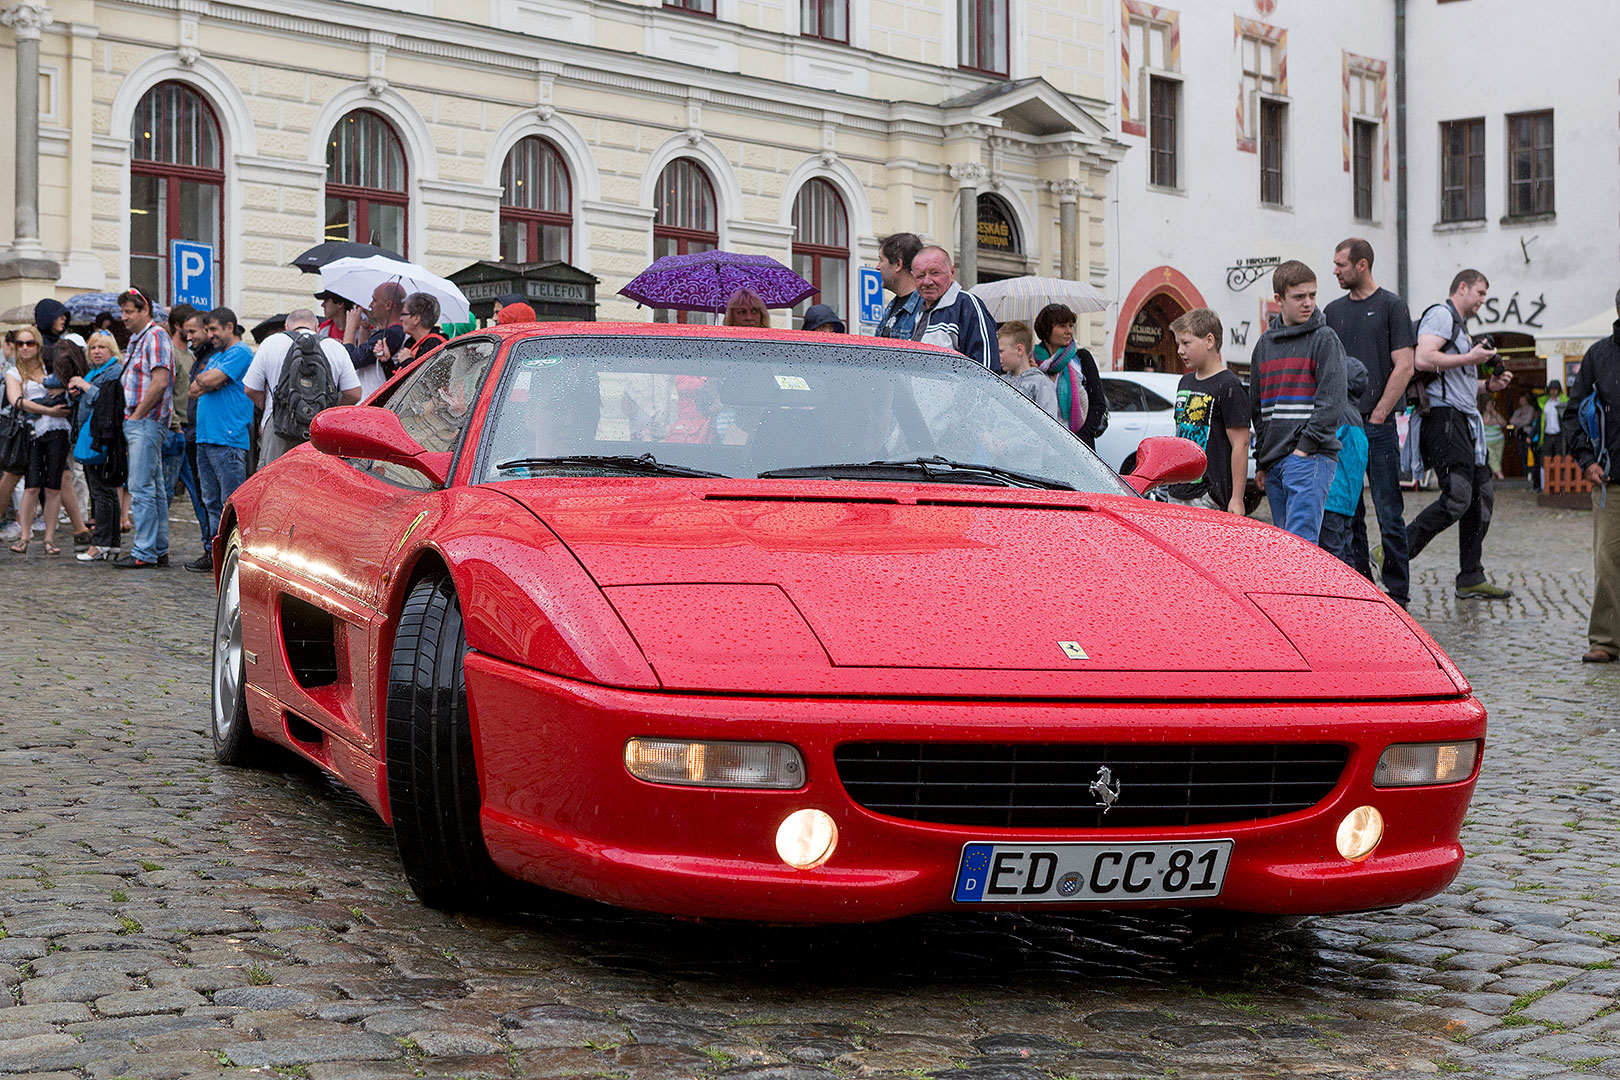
(1258, 131)
(1514, 170)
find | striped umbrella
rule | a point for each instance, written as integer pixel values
(1024, 297)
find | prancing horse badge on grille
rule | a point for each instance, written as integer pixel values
(1106, 796)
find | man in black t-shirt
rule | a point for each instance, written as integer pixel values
(1212, 410)
(1376, 328)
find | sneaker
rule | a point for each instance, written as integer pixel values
(202, 564)
(163, 559)
(11, 532)
(104, 555)
(1377, 557)
(130, 562)
(1483, 591)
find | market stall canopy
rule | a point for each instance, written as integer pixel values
(357, 279)
(1579, 335)
(557, 291)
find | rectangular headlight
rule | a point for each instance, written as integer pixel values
(714, 764)
(1414, 764)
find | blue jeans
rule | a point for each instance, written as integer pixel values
(1297, 489)
(148, 501)
(188, 476)
(221, 469)
(1384, 481)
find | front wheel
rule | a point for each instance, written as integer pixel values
(234, 741)
(432, 777)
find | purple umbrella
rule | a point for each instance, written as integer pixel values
(705, 281)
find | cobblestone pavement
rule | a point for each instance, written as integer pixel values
(166, 917)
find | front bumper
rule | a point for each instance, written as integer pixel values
(561, 811)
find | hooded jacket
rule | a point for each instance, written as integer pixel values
(1600, 370)
(1296, 390)
(46, 312)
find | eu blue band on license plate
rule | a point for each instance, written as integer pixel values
(1091, 872)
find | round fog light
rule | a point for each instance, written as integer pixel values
(806, 839)
(1360, 832)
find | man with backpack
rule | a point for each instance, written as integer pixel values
(1591, 426)
(295, 375)
(1452, 435)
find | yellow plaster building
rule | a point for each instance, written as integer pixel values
(597, 132)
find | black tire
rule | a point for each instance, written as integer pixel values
(432, 777)
(234, 741)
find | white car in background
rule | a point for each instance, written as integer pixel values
(1140, 404)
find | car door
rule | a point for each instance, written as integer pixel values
(342, 546)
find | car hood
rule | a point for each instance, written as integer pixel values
(829, 587)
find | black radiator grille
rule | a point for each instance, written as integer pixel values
(1048, 785)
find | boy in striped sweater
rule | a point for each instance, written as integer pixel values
(1296, 393)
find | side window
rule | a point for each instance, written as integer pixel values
(434, 407)
(1153, 402)
(1122, 396)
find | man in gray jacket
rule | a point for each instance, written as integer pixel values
(1296, 393)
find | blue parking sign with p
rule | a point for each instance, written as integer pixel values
(191, 268)
(871, 295)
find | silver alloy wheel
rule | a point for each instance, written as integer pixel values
(228, 665)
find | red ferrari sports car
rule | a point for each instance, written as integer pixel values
(813, 628)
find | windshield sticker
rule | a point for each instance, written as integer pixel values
(1072, 650)
(791, 382)
(542, 361)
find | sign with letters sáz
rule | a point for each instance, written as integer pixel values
(191, 270)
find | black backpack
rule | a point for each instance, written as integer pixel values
(305, 387)
(1417, 390)
(107, 414)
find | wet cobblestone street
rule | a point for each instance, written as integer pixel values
(164, 916)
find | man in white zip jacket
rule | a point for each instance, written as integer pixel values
(951, 316)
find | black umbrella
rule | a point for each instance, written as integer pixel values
(275, 324)
(311, 261)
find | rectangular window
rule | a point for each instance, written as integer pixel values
(1530, 164)
(1462, 170)
(1363, 154)
(1164, 114)
(696, 7)
(825, 19)
(1273, 152)
(1259, 78)
(983, 33)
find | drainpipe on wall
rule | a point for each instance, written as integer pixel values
(1400, 147)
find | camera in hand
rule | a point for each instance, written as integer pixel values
(1498, 366)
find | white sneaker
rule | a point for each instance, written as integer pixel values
(39, 523)
(11, 532)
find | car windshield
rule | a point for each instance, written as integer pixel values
(742, 407)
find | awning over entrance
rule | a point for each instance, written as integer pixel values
(557, 291)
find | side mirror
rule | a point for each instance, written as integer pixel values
(373, 434)
(1165, 459)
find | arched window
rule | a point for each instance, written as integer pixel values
(821, 246)
(176, 183)
(1001, 244)
(365, 182)
(536, 204)
(687, 222)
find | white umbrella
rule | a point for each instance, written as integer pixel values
(1023, 297)
(357, 279)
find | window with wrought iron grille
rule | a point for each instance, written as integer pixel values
(176, 183)
(687, 222)
(825, 19)
(1462, 170)
(1530, 164)
(536, 204)
(983, 34)
(1273, 153)
(366, 197)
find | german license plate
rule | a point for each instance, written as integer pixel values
(1091, 872)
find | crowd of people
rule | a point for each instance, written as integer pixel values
(107, 428)
(117, 422)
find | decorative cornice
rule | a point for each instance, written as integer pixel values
(27, 20)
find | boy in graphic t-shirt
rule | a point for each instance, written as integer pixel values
(1212, 409)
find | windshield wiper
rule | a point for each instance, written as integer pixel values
(641, 464)
(932, 468)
